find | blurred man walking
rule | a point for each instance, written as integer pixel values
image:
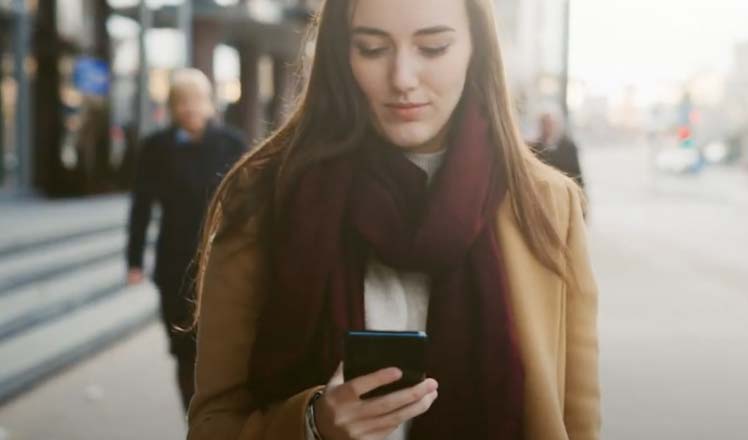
(556, 148)
(179, 168)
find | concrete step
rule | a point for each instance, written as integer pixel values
(62, 292)
(38, 222)
(28, 305)
(45, 349)
(35, 302)
(44, 261)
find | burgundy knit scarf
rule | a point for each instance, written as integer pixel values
(377, 203)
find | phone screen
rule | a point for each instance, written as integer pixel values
(369, 351)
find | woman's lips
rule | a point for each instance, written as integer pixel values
(407, 112)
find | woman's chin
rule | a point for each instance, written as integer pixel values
(410, 139)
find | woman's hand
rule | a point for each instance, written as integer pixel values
(342, 415)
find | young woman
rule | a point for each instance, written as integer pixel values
(398, 196)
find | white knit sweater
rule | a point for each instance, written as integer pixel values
(396, 300)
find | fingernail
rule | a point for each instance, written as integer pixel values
(392, 372)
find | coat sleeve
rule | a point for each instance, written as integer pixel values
(142, 198)
(233, 296)
(582, 396)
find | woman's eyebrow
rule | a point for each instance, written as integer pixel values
(434, 30)
(365, 30)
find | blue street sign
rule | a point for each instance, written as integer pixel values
(91, 76)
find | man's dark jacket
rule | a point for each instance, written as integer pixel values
(563, 156)
(180, 176)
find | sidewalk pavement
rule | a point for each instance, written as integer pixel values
(127, 392)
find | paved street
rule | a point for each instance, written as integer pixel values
(669, 254)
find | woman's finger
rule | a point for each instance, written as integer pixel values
(391, 421)
(398, 399)
(363, 384)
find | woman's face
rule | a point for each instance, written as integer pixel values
(410, 58)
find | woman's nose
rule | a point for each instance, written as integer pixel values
(405, 73)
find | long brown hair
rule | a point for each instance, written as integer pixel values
(330, 118)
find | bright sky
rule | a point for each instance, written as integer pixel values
(645, 42)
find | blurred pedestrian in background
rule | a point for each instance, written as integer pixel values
(179, 168)
(555, 147)
(398, 196)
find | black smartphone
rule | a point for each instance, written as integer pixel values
(369, 351)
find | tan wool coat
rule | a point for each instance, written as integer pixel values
(556, 326)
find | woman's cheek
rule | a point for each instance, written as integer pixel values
(367, 73)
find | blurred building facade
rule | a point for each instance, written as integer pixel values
(737, 99)
(14, 89)
(73, 110)
(534, 37)
(76, 97)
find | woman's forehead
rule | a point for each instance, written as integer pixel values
(406, 17)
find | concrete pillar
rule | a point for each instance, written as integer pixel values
(184, 23)
(22, 43)
(102, 178)
(48, 173)
(145, 17)
(206, 36)
(566, 16)
(248, 105)
(2, 130)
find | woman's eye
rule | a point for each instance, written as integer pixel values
(434, 51)
(371, 52)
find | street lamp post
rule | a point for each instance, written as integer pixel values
(565, 60)
(184, 23)
(2, 137)
(145, 18)
(22, 40)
